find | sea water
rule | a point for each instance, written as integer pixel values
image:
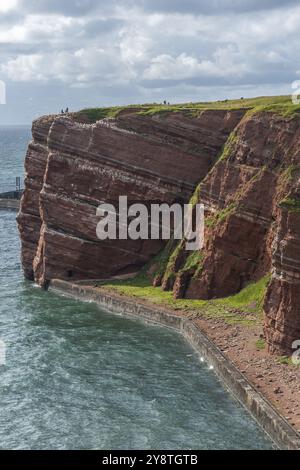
(76, 377)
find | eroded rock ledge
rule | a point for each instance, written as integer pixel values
(247, 165)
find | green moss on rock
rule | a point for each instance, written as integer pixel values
(229, 146)
(290, 204)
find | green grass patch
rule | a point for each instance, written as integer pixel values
(260, 344)
(193, 261)
(96, 114)
(281, 105)
(289, 173)
(163, 109)
(286, 360)
(195, 199)
(170, 271)
(244, 307)
(226, 212)
(219, 217)
(285, 109)
(253, 292)
(229, 146)
(160, 261)
(290, 204)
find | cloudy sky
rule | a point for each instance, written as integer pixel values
(82, 53)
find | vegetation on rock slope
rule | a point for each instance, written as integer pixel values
(290, 204)
(280, 104)
(244, 307)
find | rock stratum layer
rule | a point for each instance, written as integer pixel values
(72, 167)
(247, 165)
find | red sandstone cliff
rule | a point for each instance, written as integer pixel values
(252, 200)
(251, 194)
(72, 167)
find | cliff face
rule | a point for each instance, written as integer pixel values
(252, 202)
(248, 169)
(242, 194)
(72, 167)
(282, 303)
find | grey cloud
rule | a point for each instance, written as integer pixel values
(11, 49)
(96, 27)
(10, 18)
(213, 7)
(94, 54)
(252, 79)
(64, 7)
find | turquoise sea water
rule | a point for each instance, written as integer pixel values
(79, 378)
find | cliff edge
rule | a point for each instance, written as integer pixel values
(242, 162)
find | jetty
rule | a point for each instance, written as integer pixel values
(10, 195)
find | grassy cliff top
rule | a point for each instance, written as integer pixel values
(279, 104)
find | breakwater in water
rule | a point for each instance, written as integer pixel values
(12, 204)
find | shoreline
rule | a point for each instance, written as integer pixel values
(267, 416)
